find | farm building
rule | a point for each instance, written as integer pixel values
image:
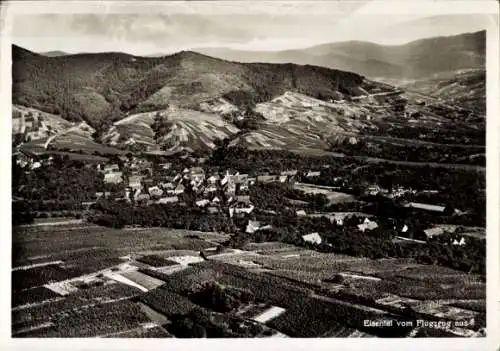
(312, 174)
(283, 179)
(367, 225)
(430, 208)
(460, 242)
(35, 165)
(301, 213)
(202, 203)
(155, 191)
(313, 238)
(165, 166)
(240, 208)
(215, 200)
(168, 200)
(113, 178)
(252, 226)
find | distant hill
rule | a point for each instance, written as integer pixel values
(465, 88)
(54, 53)
(105, 87)
(417, 59)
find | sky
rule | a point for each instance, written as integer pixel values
(271, 26)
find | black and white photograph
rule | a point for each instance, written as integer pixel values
(246, 169)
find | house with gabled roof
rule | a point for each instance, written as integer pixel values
(113, 178)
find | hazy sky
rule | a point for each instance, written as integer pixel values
(275, 26)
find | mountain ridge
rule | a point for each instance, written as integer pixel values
(415, 59)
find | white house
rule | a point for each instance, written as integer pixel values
(313, 238)
(312, 174)
(114, 177)
(252, 226)
(202, 203)
(367, 225)
(155, 191)
(168, 200)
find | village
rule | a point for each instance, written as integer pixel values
(273, 225)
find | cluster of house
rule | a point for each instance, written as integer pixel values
(168, 186)
(24, 160)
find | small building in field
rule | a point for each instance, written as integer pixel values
(301, 213)
(313, 238)
(445, 210)
(168, 200)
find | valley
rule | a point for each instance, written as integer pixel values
(298, 195)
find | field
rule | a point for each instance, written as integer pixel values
(74, 244)
(187, 129)
(98, 320)
(324, 294)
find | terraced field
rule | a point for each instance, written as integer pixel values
(187, 129)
